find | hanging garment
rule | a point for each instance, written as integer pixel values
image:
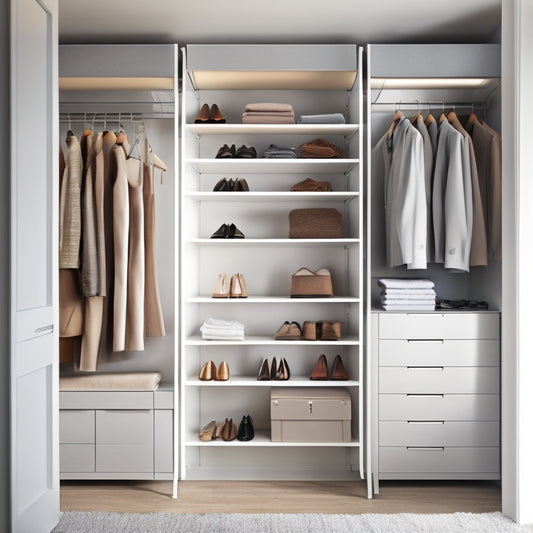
(488, 149)
(433, 131)
(70, 207)
(419, 124)
(478, 248)
(154, 325)
(452, 199)
(405, 196)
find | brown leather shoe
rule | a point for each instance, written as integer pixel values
(264, 371)
(338, 372)
(203, 115)
(229, 431)
(222, 373)
(320, 372)
(208, 371)
(283, 373)
(215, 115)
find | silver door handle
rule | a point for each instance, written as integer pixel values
(426, 448)
(425, 368)
(426, 341)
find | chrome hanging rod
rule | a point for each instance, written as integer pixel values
(90, 118)
(432, 105)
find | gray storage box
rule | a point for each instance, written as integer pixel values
(310, 415)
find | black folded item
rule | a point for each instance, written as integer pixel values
(460, 304)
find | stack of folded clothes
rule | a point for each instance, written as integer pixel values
(216, 329)
(328, 118)
(278, 152)
(407, 294)
(321, 149)
(268, 113)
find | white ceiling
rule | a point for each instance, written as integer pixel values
(277, 21)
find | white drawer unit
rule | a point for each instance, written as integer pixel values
(116, 434)
(437, 381)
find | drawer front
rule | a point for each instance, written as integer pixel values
(106, 400)
(76, 427)
(439, 460)
(439, 407)
(416, 433)
(163, 440)
(444, 352)
(304, 431)
(76, 458)
(312, 409)
(124, 427)
(442, 380)
(132, 457)
(439, 325)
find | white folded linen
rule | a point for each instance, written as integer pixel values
(215, 328)
(405, 283)
(410, 307)
(408, 301)
(408, 292)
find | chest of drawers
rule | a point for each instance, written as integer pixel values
(436, 408)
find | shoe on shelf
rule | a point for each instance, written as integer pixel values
(246, 152)
(238, 287)
(203, 115)
(208, 432)
(224, 185)
(338, 372)
(226, 151)
(310, 185)
(221, 233)
(215, 115)
(320, 372)
(264, 371)
(228, 431)
(289, 331)
(241, 185)
(330, 330)
(234, 232)
(246, 429)
(222, 289)
(305, 283)
(222, 373)
(208, 371)
(283, 373)
(309, 331)
(244, 289)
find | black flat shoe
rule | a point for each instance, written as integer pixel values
(241, 185)
(226, 151)
(221, 185)
(234, 232)
(245, 151)
(221, 233)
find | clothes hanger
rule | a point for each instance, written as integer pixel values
(397, 117)
(70, 133)
(472, 118)
(452, 115)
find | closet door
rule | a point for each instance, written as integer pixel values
(34, 305)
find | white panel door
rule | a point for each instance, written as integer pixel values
(34, 301)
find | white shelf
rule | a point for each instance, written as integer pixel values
(247, 381)
(277, 196)
(271, 166)
(274, 242)
(277, 129)
(272, 300)
(256, 340)
(262, 438)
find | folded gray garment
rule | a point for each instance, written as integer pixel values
(279, 152)
(268, 106)
(267, 119)
(268, 113)
(112, 381)
(329, 118)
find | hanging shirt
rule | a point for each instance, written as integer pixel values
(452, 199)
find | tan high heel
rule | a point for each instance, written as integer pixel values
(244, 290)
(208, 371)
(222, 372)
(221, 288)
(208, 432)
(238, 287)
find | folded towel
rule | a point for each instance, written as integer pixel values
(406, 283)
(411, 307)
(268, 106)
(413, 299)
(408, 292)
(268, 113)
(329, 118)
(267, 119)
(112, 381)
(215, 328)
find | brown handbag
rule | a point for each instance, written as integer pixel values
(315, 223)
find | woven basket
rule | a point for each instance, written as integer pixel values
(319, 223)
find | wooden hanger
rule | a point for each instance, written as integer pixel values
(472, 119)
(158, 163)
(430, 118)
(452, 116)
(442, 117)
(397, 116)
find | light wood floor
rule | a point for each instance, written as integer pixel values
(280, 497)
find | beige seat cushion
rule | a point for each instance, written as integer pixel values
(112, 381)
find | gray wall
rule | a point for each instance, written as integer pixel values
(4, 267)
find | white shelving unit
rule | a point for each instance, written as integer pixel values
(266, 256)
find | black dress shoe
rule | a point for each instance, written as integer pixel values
(221, 185)
(245, 151)
(226, 151)
(221, 233)
(246, 429)
(234, 232)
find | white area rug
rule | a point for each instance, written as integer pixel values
(94, 522)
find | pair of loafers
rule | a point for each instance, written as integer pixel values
(231, 185)
(320, 371)
(244, 152)
(228, 231)
(209, 372)
(274, 371)
(211, 115)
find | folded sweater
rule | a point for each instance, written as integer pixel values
(268, 106)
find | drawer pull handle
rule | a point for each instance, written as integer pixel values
(122, 411)
(425, 395)
(418, 315)
(426, 448)
(426, 422)
(426, 341)
(425, 368)
(310, 408)
(44, 329)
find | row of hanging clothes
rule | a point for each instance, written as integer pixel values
(442, 187)
(108, 289)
